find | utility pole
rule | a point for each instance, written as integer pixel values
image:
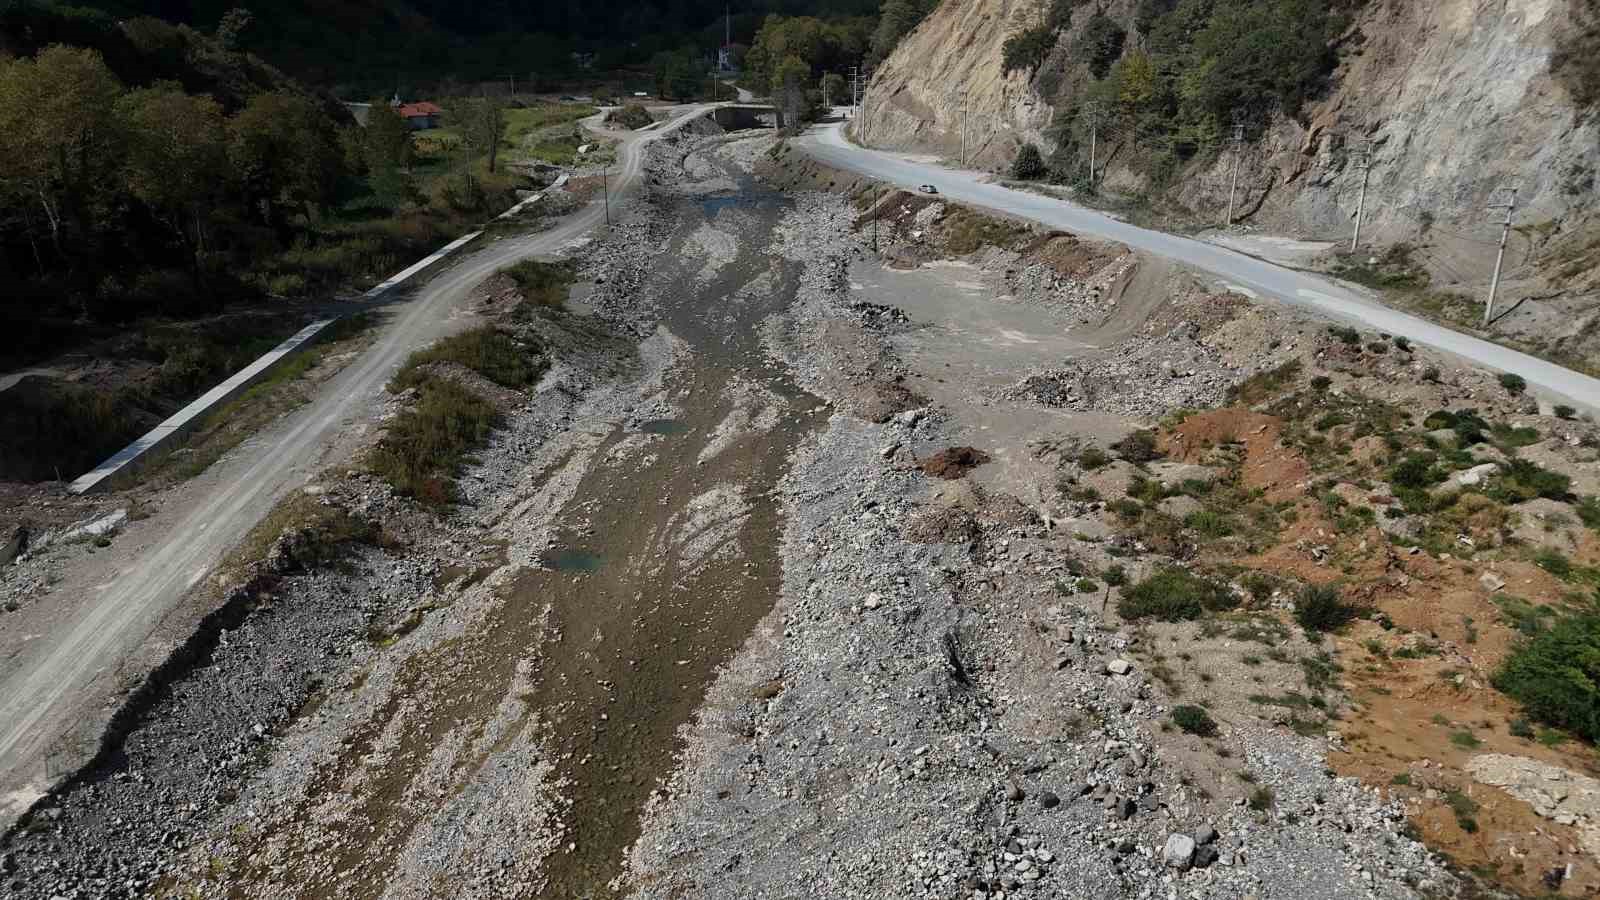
(1092, 111)
(1233, 183)
(1364, 161)
(874, 217)
(962, 94)
(605, 186)
(1500, 257)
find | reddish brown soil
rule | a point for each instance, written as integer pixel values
(954, 462)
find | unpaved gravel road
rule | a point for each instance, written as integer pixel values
(1251, 276)
(109, 605)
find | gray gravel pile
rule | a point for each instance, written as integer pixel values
(118, 830)
(897, 726)
(1148, 375)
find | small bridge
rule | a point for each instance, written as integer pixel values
(739, 116)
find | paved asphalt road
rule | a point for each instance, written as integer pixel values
(1256, 277)
(43, 687)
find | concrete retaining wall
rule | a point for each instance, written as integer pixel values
(130, 459)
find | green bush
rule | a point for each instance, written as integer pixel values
(1321, 383)
(1402, 343)
(1345, 334)
(1520, 480)
(1319, 607)
(1415, 471)
(1138, 447)
(633, 117)
(1555, 675)
(1026, 50)
(1093, 458)
(1589, 512)
(1513, 383)
(1555, 562)
(541, 283)
(1209, 523)
(1564, 411)
(488, 352)
(1174, 595)
(1194, 720)
(1028, 164)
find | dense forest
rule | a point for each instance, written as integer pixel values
(155, 170)
(361, 46)
(170, 168)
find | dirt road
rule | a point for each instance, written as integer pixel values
(1247, 274)
(62, 662)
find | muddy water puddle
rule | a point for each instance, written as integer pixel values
(574, 561)
(664, 426)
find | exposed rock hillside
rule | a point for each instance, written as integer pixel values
(1455, 95)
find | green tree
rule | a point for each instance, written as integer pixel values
(386, 141)
(170, 132)
(895, 21)
(60, 141)
(286, 155)
(789, 88)
(481, 121)
(232, 27)
(835, 88)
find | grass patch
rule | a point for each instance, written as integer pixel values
(490, 353)
(1263, 386)
(1464, 807)
(423, 448)
(1173, 595)
(542, 284)
(1466, 740)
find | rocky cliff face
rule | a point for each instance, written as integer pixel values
(915, 102)
(1455, 97)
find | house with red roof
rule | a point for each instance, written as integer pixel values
(421, 115)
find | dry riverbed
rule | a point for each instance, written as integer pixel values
(801, 572)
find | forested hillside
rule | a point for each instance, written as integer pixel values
(372, 43)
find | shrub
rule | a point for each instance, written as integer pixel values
(541, 283)
(1321, 383)
(1194, 720)
(1173, 595)
(1087, 586)
(1209, 523)
(1415, 471)
(1513, 382)
(1138, 447)
(1402, 343)
(488, 352)
(1345, 334)
(1115, 576)
(1261, 799)
(1378, 348)
(1564, 411)
(1519, 727)
(1589, 512)
(1093, 458)
(1521, 480)
(1320, 608)
(1029, 163)
(1431, 373)
(1555, 562)
(1465, 740)
(1555, 675)
(1026, 50)
(423, 448)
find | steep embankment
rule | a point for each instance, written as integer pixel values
(1456, 96)
(914, 99)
